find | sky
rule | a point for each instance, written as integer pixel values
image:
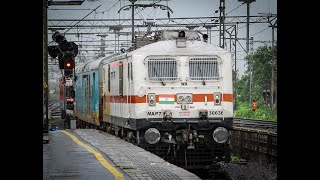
(181, 8)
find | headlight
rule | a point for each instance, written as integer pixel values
(184, 98)
(188, 99)
(152, 99)
(152, 135)
(217, 98)
(220, 135)
(181, 98)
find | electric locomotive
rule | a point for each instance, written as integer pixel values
(171, 94)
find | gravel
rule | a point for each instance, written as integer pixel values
(250, 171)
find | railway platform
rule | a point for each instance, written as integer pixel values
(92, 154)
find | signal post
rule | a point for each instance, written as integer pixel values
(66, 53)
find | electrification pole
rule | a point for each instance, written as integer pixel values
(103, 45)
(273, 89)
(45, 73)
(251, 72)
(235, 63)
(132, 1)
(222, 25)
(248, 20)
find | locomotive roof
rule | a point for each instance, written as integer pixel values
(79, 68)
(192, 47)
(88, 66)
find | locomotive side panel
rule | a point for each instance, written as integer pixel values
(116, 91)
(106, 71)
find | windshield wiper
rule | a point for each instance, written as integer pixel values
(203, 82)
(154, 69)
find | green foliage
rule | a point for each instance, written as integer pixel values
(236, 159)
(244, 110)
(260, 61)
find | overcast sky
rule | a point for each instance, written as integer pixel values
(181, 8)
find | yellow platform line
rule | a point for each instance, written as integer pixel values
(118, 175)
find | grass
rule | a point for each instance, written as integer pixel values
(243, 110)
(236, 159)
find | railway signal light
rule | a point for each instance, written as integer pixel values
(64, 50)
(53, 51)
(58, 38)
(68, 62)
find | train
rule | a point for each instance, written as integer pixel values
(171, 94)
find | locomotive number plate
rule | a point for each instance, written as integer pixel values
(215, 113)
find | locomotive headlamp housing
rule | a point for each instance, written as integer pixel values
(152, 135)
(184, 98)
(220, 135)
(181, 99)
(217, 98)
(181, 40)
(188, 99)
(152, 99)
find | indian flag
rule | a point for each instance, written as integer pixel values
(166, 99)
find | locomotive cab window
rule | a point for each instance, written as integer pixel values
(162, 69)
(204, 69)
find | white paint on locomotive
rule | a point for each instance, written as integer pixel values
(125, 77)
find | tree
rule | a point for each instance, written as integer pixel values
(260, 61)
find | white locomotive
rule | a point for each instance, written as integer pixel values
(172, 97)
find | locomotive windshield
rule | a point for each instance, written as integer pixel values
(162, 69)
(203, 69)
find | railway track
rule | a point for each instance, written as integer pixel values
(54, 109)
(259, 125)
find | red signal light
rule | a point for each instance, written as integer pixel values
(68, 64)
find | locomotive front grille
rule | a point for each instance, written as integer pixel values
(162, 69)
(203, 69)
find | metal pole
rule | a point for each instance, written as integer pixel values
(220, 34)
(45, 63)
(132, 1)
(221, 22)
(230, 42)
(272, 69)
(115, 41)
(248, 18)
(251, 71)
(235, 62)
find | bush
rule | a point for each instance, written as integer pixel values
(264, 113)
